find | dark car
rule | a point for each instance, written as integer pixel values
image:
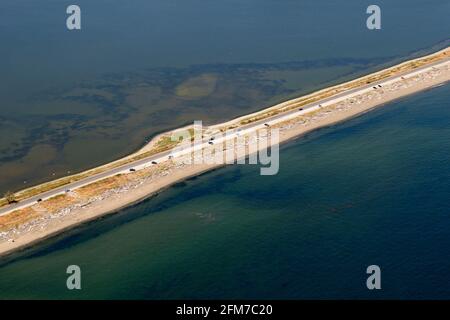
(154, 162)
(132, 169)
(267, 125)
(38, 200)
(301, 109)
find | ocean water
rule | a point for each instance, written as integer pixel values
(372, 190)
(73, 100)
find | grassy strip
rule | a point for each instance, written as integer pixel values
(165, 143)
(329, 92)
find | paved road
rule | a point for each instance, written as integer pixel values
(242, 130)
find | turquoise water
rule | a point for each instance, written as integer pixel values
(372, 190)
(73, 100)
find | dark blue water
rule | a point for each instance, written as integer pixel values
(373, 190)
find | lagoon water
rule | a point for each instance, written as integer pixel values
(70, 100)
(372, 190)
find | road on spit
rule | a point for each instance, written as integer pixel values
(233, 134)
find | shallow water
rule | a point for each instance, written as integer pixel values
(372, 190)
(73, 100)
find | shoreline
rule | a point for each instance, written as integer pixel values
(30, 242)
(168, 177)
(150, 146)
(153, 146)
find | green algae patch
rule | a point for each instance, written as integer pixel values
(197, 87)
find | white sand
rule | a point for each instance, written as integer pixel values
(115, 202)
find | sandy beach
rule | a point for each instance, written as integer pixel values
(80, 208)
